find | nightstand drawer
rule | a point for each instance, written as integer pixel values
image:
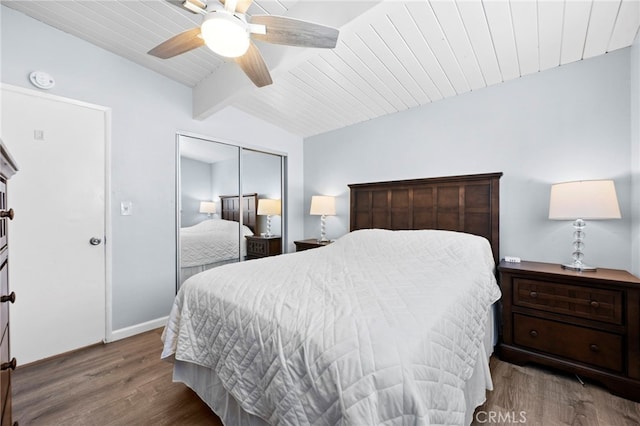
(258, 247)
(581, 344)
(584, 302)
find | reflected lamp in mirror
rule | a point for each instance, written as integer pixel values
(580, 200)
(323, 206)
(207, 207)
(268, 207)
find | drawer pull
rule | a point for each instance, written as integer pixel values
(594, 348)
(10, 298)
(533, 333)
(9, 365)
(533, 294)
(7, 213)
(594, 304)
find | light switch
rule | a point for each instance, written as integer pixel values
(126, 208)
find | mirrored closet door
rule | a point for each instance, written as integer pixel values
(230, 205)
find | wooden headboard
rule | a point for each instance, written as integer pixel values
(231, 209)
(469, 203)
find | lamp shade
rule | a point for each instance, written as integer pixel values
(207, 207)
(323, 205)
(267, 206)
(587, 199)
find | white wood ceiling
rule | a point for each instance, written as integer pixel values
(394, 56)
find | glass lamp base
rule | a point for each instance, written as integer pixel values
(579, 267)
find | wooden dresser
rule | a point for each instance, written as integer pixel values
(586, 323)
(7, 364)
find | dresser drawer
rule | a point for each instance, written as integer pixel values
(5, 375)
(583, 302)
(263, 246)
(577, 343)
(4, 291)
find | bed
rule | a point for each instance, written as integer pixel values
(216, 242)
(383, 326)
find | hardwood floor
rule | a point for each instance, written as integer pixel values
(126, 383)
(121, 383)
(533, 395)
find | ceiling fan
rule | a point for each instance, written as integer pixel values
(228, 32)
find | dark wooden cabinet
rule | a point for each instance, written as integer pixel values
(258, 246)
(586, 323)
(7, 297)
(311, 243)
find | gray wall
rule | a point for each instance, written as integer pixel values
(261, 174)
(195, 186)
(635, 156)
(147, 112)
(568, 123)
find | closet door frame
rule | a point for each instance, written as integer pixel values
(241, 148)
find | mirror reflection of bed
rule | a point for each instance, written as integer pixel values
(213, 221)
(214, 241)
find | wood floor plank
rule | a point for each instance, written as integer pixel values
(551, 398)
(125, 383)
(119, 384)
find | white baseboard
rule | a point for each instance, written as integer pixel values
(123, 333)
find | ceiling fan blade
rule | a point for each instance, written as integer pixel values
(295, 32)
(254, 66)
(243, 5)
(178, 44)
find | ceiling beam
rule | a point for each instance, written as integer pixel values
(228, 83)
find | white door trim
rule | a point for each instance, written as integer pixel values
(108, 309)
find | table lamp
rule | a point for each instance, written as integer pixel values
(324, 206)
(207, 207)
(269, 208)
(580, 200)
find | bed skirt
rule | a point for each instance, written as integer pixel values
(189, 271)
(204, 382)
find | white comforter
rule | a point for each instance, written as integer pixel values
(378, 327)
(211, 241)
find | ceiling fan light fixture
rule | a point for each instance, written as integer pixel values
(225, 34)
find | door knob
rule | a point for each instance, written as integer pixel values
(7, 213)
(95, 241)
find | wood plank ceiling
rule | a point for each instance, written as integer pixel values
(393, 55)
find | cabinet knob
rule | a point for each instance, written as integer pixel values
(533, 333)
(533, 294)
(7, 213)
(594, 304)
(9, 365)
(594, 348)
(10, 298)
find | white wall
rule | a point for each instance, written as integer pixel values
(195, 187)
(568, 123)
(635, 156)
(148, 110)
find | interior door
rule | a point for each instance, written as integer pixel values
(56, 240)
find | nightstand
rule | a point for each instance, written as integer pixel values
(311, 243)
(258, 246)
(586, 323)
